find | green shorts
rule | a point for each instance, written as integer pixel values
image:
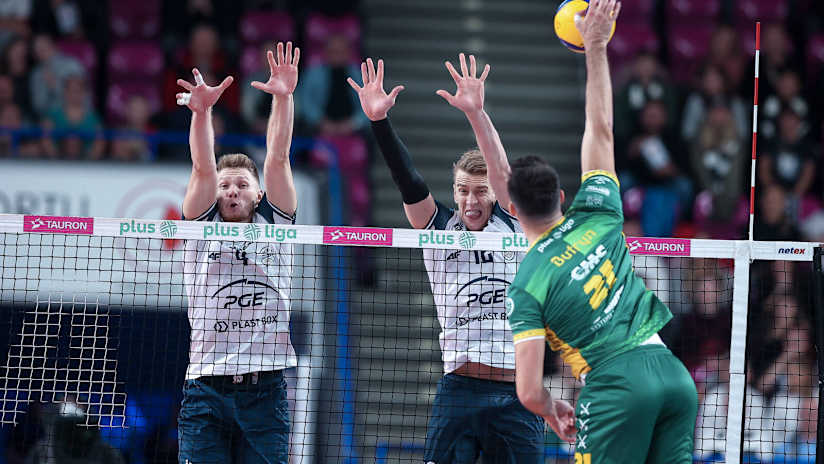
(638, 407)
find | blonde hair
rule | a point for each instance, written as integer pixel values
(237, 160)
(471, 162)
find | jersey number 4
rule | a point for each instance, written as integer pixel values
(599, 284)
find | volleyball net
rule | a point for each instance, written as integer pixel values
(95, 330)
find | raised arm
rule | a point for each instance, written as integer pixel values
(469, 98)
(417, 201)
(598, 147)
(277, 171)
(201, 192)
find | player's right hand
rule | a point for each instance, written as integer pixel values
(374, 100)
(200, 97)
(595, 23)
(563, 421)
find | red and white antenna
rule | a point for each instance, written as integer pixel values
(754, 124)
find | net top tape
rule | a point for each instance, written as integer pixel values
(375, 236)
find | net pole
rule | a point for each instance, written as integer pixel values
(754, 124)
(818, 311)
(738, 348)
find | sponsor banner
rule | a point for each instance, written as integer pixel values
(658, 246)
(460, 240)
(58, 225)
(783, 251)
(369, 236)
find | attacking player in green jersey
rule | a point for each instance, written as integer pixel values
(577, 290)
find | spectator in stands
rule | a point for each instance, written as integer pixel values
(15, 64)
(718, 163)
(710, 320)
(725, 54)
(48, 79)
(133, 145)
(776, 56)
(14, 19)
(787, 95)
(58, 18)
(205, 53)
(712, 93)
(772, 222)
(76, 124)
(789, 162)
(254, 105)
(647, 82)
(68, 440)
(654, 162)
(327, 104)
(711, 428)
(17, 145)
(183, 16)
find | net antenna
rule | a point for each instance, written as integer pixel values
(754, 125)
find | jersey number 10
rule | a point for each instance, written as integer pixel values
(596, 284)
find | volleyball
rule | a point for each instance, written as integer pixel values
(565, 24)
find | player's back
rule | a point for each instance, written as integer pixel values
(578, 277)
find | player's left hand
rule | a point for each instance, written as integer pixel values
(563, 421)
(284, 71)
(469, 97)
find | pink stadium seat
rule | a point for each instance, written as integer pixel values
(252, 59)
(135, 59)
(687, 47)
(81, 50)
(261, 26)
(135, 19)
(679, 11)
(748, 11)
(120, 92)
(815, 54)
(631, 38)
(319, 28)
(637, 10)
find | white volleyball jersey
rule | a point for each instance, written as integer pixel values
(238, 296)
(469, 288)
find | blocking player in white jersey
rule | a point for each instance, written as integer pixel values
(476, 409)
(234, 398)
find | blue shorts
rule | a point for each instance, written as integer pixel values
(223, 422)
(473, 417)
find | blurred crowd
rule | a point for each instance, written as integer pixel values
(684, 86)
(85, 79)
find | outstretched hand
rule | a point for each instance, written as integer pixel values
(469, 97)
(595, 23)
(374, 99)
(200, 97)
(563, 421)
(284, 72)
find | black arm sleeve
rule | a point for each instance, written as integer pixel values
(407, 178)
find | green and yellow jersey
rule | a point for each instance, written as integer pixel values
(576, 286)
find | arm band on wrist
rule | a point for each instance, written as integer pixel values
(407, 178)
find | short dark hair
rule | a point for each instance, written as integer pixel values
(534, 187)
(237, 160)
(471, 162)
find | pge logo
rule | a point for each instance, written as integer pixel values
(336, 235)
(36, 223)
(221, 326)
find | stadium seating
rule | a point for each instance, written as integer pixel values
(698, 11)
(260, 26)
(135, 19)
(319, 28)
(118, 97)
(688, 45)
(135, 59)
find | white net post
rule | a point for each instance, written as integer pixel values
(738, 348)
